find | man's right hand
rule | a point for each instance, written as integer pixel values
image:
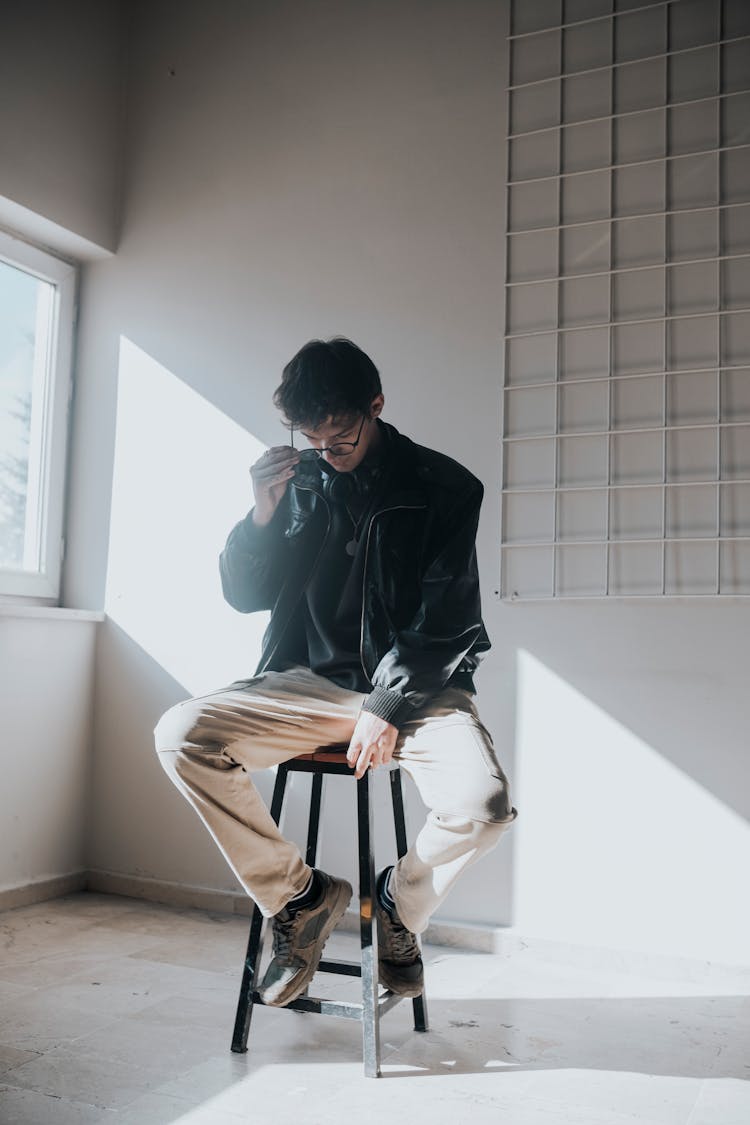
(270, 475)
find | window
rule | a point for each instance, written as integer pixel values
(37, 314)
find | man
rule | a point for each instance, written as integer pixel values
(362, 546)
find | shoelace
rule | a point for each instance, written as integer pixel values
(402, 941)
(282, 934)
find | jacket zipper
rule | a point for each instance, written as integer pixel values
(395, 508)
(313, 568)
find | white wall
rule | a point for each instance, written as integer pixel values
(46, 695)
(302, 170)
(60, 88)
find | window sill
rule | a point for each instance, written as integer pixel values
(50, 612)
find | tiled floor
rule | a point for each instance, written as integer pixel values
(113, 1010)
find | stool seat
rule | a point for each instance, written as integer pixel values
(331, 760)
(333, 753)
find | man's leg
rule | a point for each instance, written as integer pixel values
(210, 745)
(450, 756)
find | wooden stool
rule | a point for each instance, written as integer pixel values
(332, 760)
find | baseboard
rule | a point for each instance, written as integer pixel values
(170, 894)
(459, 935)
(42, 889)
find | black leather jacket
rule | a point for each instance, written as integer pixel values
(421, 626)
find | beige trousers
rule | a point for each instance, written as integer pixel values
(211, 744)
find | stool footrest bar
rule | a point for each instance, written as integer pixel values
(344, 1009)
(344, 968)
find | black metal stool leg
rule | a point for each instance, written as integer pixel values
(419, 1003)
(368, 932)
(313, 824)
(252, 957)
(313, 827)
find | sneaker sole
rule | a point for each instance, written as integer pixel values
(398, 987)
(295, 989)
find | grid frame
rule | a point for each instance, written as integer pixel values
(626, 389)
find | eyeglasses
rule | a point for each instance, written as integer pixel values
(338, 449)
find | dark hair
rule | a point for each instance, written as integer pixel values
(324, 379)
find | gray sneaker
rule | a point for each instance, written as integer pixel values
(399, 960)
(298, 940)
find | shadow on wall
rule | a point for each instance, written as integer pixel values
(673, 672)
(617, 845)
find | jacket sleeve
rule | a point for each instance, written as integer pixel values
(425, 655)
(251, 564)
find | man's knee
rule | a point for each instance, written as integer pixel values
(183, 748)
(492, 792)
(498, 806)
(488, 800)
(173, 729)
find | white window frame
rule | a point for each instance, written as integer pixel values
(50, 426)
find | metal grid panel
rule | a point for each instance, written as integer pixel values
(626, 399)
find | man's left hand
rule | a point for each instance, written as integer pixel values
(372, 743)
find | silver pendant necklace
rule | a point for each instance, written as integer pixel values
(351, 546)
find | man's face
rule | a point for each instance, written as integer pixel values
(335, 430)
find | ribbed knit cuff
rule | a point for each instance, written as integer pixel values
(389, 705)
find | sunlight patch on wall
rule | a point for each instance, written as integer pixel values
(616, 846)
(180, 483)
